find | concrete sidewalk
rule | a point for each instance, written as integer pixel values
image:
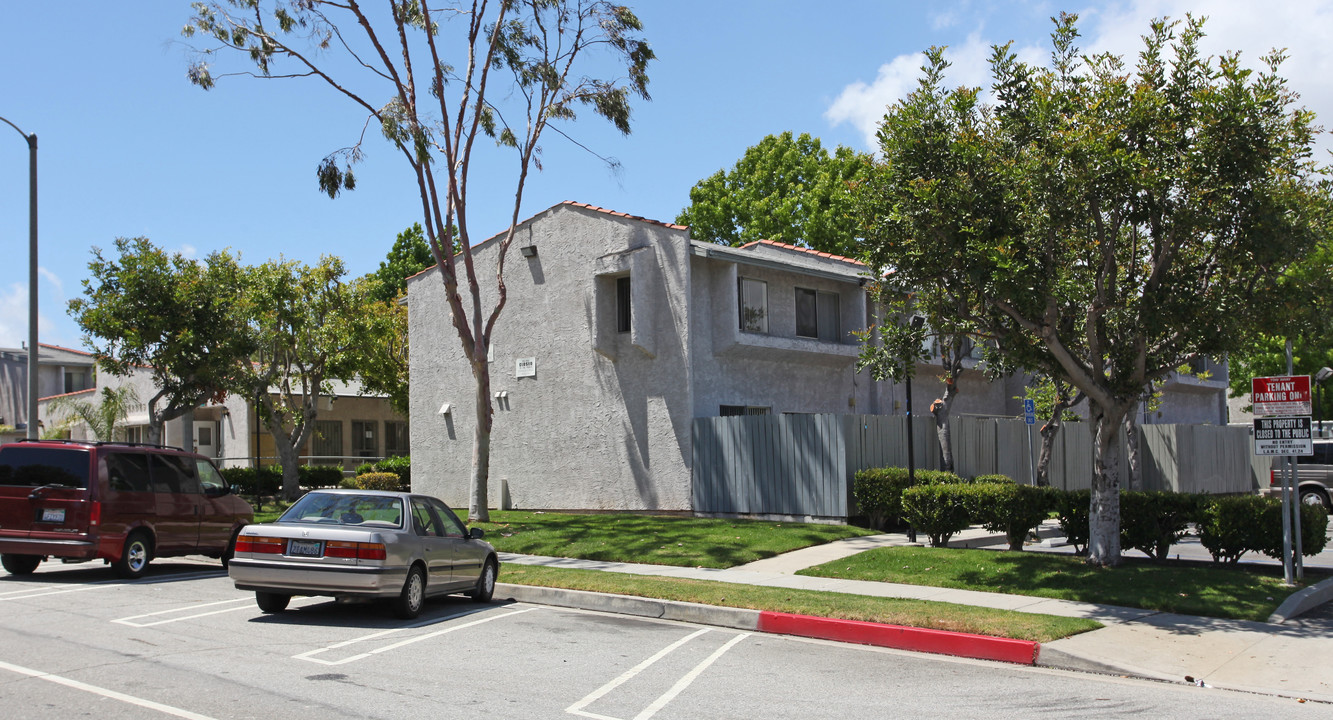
(1293, 658)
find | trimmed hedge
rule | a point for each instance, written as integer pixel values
(1071, 511)
(879, 494)
(400, 465)
(377, 481)
(1006, 506)
(940, 510)
(1152, 522)
(267, 480)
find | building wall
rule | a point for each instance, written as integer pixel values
(605, 421)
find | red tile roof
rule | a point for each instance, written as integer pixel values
(594, 208)
(785, 246)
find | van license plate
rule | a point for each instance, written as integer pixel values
(53, 515)
(305, 548)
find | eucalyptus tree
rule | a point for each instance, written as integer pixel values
(1112, 223)
(786, 189)
(435, 80)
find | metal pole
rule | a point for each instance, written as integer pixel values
(32, 277)
(1288, 572)
(911, 454)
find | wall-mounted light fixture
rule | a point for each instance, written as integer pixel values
(504, 394)
(444, 409)
(529, 251)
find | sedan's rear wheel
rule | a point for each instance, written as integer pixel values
(272, 602)
(20, 564)
(486, 583)
(410, 601)
(134, 558)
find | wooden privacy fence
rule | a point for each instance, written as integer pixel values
(803, 465)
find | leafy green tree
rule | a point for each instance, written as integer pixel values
(172, 314)
(409, 255)
(1111, 224)
(784, 189)
(436, 84)
(306, 328)
(104, 417)
(382, 364)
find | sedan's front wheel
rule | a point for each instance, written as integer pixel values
(410, 601)
(486, 583)
(272, 602)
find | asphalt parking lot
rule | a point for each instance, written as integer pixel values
(182, 642)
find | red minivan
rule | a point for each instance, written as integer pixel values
(125, 503)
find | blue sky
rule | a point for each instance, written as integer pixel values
(129, 148)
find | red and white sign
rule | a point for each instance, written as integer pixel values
(1280, 395)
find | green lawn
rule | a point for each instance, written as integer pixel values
(654, 539)
(1246, 592)
(894, 611)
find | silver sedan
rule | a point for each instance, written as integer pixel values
(364, 544)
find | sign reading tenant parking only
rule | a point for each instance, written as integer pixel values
(1280, 395)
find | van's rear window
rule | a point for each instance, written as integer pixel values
(30, 466)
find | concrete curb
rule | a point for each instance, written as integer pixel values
(980, 647)
(1302, 602)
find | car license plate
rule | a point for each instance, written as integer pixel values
(53, 515)
(305, 548)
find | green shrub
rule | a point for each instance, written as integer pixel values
(1230, 526)
(377, 481)
(1009, 507)
(938, 510)
(400, 465)
(320, 476)
(1152, 522)
(992, 479)
(938, 477)
(879, 494)
(364, 468)
(1071, 509)
(1314, 529)
(255, 482)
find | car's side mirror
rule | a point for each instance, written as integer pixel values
(476, 533)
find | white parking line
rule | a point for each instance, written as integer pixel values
(310, 655)
(49, 590)
(661, 702)
(103, 692)
(131, 620)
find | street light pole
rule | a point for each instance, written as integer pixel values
(32, 278)
(916, 323)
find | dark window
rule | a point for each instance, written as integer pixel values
(452, 525)
(209, 477)
(33, 467)
(174, 474)
(424, 520)
(328, 442)
(365, 442)
(128, 472)
(205, 436)
(737, 410)
(817, 315)
(622, 305)
(395, 438)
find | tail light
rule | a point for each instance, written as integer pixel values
(1272, 477)
(260, 545)
(95, 514)
(355, 550)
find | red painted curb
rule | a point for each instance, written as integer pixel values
(982, 647)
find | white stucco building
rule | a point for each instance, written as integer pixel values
(618, 331)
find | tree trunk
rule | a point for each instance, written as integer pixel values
(1104, 508)
(940, 409)
(479, 501)
(1132, 440)
(287, 458)
(1048, 433)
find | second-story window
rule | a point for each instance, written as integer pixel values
(817, 315)
(622, 305)
(753, 301)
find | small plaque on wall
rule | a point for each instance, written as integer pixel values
(525, 367)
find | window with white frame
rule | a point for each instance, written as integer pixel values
(817, 315)
(753, 301)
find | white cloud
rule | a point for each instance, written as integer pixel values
(14, 316)
(864, 105)
(54, 280)
(1250, 27)
(189, 251)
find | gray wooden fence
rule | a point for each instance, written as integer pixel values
(804, 465)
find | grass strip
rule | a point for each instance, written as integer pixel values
(893, 611)
(654, 539)
(1242, 592)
